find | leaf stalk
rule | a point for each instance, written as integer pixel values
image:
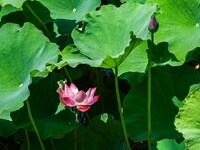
(120, 109)
(149, 92)
(34, 125)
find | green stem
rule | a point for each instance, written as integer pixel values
(52, 143)
(149, 92)
(68, 75)
(120, 109)
(34, 125)
(27, 139)
(71, 81)
(37, 18)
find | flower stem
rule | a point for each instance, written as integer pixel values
(52, 143)
(27, 139)
(68, 75)
(71, 81)
(36, 17)
(34, 125)
(149, 92)
(120, 109)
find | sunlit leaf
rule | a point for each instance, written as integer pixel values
(103, 38)
(170, 144)
(15, 3)
(136, 61)
(70, 9)
(187, 120)
(22, 51)
(179, 26)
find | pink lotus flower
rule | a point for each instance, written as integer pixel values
(72, 97)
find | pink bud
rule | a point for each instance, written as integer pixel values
(153, 25)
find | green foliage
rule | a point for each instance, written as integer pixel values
(43, 42)
(168, 144)
(98, 135)
(187, 125)
(64, 30)
(36, 13)
(7, 9)
(14, 3)
(136, 61)
(179, 26)
(164, 81)
(21, 53)
(93, 38)
(44, 103)
(70, 9)
(72, 57)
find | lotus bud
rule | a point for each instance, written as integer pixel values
(153, 25)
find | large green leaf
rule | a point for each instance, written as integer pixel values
(101, 37)
(170, 144)
(72, 56)
(70, 9)
(22, 51)
(187, 120)
(167, 83)
(179, 25)
(15, 3)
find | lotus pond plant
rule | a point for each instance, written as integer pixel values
(72, 97)
(131, 71)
